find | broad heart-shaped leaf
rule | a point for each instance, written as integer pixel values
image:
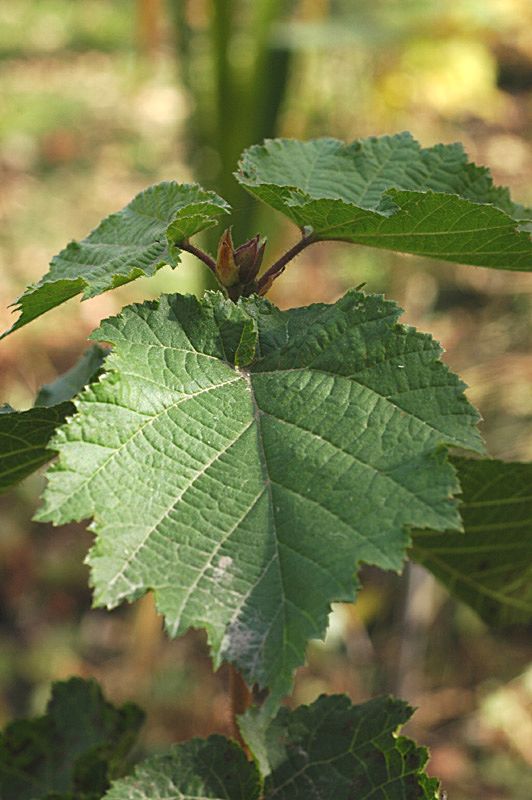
(390, 193)
(73, 751)
(24, 435)
(245, 497)
(330, 749)
(490, 566)
(132, 243)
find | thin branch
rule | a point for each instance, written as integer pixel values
(279, 266)
(205, 257)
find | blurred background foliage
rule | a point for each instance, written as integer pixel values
(100, 99)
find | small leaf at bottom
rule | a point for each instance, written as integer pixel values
(76, 748)
(211, 769)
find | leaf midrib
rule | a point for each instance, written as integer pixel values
(298, 209)
(256, 413)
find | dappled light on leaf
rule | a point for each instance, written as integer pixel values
(246, 496)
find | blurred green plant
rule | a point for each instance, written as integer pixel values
(236, 71)
(40, 27)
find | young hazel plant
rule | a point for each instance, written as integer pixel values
(241, 463)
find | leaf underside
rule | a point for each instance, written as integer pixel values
(24, 438)
(489, 567)
(70, 383)
(134, 242)
(245, 497)
(390, 193)
(73, 751)
(330, 749)
(25, 435)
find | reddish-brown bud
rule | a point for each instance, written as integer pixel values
(248, 258)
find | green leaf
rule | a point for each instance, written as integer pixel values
(211, 769)
(134, 242)
(333, 749)
(330, 749)
(66, 386)
(75, 749)
(490, 566)
(24, 438)
(25, 435)
(246, 497)
(390, 193)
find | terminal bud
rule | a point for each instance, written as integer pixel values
(248, 258)
(237, 268)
